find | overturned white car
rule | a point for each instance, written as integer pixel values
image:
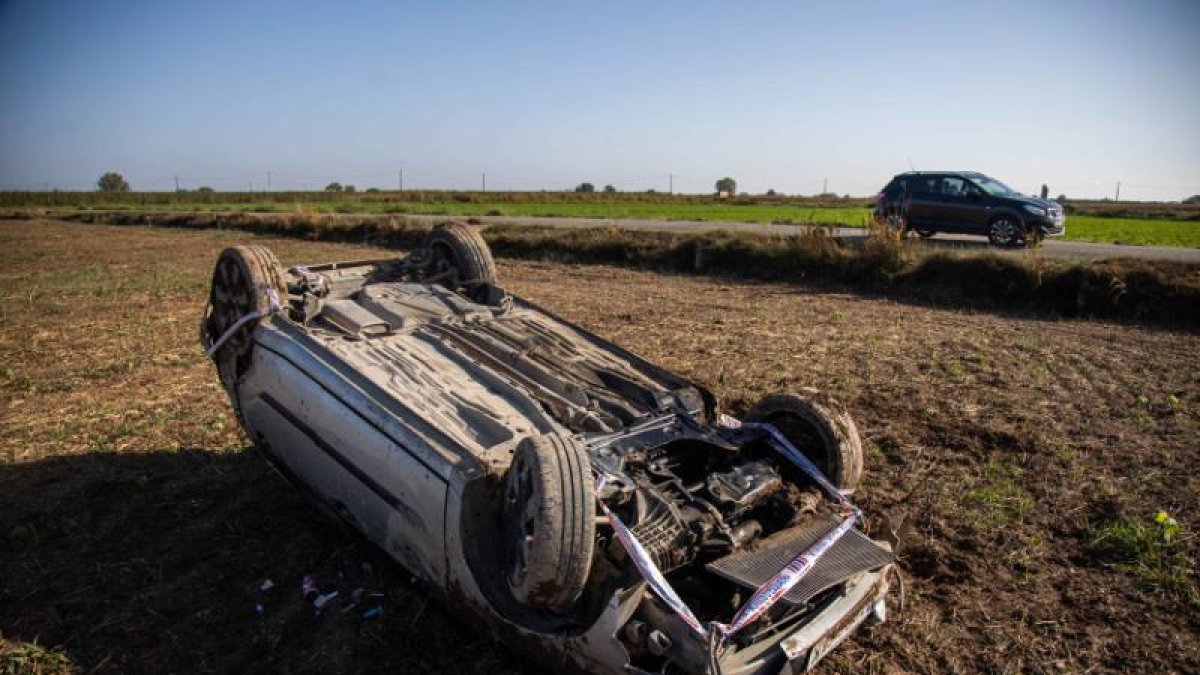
(590, 507)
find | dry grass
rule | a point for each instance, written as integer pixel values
(134, 531)
(1161, 293)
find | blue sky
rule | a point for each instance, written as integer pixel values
(781, 95)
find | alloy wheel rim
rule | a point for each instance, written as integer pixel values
(1003, 231)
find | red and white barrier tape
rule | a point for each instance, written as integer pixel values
(272, 298)
(777, 586)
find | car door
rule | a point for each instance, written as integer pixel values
(330, 435)
(923, 201)
(974, 213)
(954, 207)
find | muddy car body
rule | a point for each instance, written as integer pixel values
(463, 431)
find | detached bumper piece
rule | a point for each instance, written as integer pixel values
(852, 554)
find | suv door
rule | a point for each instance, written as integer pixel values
(923, 201)
(956, 207)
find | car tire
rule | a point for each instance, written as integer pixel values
(820, 428)
(240, 281)
(1004, 231)
(926, 234)
(459, 250)
(548, 521)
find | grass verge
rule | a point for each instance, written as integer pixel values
(1135, 225)
(1144, 291)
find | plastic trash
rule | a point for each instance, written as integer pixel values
(266, 586)
(372, 613)
(308, 588)
(323, 600)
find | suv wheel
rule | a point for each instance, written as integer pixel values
(1003, 231)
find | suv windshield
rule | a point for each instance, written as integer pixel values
(994, 187)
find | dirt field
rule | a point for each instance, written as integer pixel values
(1021, 462)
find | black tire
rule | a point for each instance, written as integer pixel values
(1004, 231)
(820, 428)
(240, 281)
(926, 234)
(459, 249)
(548, 521)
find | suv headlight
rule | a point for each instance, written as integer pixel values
(1035, 210)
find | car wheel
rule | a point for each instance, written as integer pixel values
(461, 259)
(1002, 231)
(926, 234)
(820, 428)
(239, 286)
(548, 521)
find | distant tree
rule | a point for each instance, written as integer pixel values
(1194, 199)
(333, 187)
(727, 185)
(609, 188)
(112, 182)
(1060, 199)
(372, 190)
(771, 192)
(651, 191)
(585, 187)
(1045, 191)
(348, 188)
(204, 190)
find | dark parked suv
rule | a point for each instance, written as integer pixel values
(967, 202)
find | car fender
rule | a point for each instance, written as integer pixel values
(997, 211)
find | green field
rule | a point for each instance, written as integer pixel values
(1136, 223)
(1134, 231)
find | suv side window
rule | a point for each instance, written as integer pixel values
(953, 186)
(895, 189)
(923, 184)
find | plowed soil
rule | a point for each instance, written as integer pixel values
(1019, 464)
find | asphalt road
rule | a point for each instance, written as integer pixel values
(1051, 247)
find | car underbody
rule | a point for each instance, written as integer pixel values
(403, 399)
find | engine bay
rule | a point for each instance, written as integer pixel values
(719, 515)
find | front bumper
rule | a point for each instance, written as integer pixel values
(1048, 227)
(863, 597)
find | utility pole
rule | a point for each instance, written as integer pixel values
(825, 186)
(485, 182)
(251, 185)
(400, 176)
(268, 181)
(670, 183)
(177, 183)
(1118, 192)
